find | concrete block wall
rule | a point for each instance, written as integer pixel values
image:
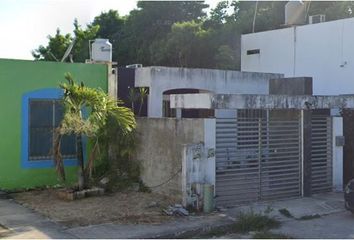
(160, 151)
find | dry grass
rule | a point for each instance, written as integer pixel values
(121, 207)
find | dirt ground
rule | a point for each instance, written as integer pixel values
(120, 207)
(4, 231)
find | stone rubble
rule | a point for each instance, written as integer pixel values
(176, 210)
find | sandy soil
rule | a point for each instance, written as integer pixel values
(3, 231)
(121, 207)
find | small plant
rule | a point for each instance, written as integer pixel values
(133, 97)
(246, 222)
(270, 235)
(286, 213)
(143, 92)
(251, 221)
(268, 210)
(309, 217)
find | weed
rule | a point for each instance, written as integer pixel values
(246, 222)
(254, 222)
(286, 213)
(270, 235)
(309, 217)
(268, 210)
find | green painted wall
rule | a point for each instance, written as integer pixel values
(16, 78)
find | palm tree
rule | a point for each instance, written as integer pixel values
(133, 97)
(143, 92)
(100, 108)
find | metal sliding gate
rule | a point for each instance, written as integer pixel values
(321, 154)
(257, 159)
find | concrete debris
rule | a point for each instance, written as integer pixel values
(176, 210)
(152, 205)
(135, 187)
(104, 181)
(221, 209)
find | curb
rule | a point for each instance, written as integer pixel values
(223, 225)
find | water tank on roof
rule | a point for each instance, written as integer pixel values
(101, 50)
(295, 13)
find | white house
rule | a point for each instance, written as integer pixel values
(323, 51)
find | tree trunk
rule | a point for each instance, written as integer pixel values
(141, 106)
(80, 160)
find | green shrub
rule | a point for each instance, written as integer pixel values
(251, 221)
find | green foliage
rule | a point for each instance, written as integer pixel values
(246, 222)
(111, 27)
(58, 44)
(179, 33)
(332, 9)
(56, 47)
(225, 57)
(251, 221)
(101, 109)
(117, 162)
(82, 36)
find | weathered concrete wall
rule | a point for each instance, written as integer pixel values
(161, 79)
(161, 142)
(291, 86)
(249, 101)
(198, 164)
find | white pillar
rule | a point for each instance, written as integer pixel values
(209, 143)
(178, 113)
(155, 103)
(337, 127)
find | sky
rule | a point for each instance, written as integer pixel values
(25, 24)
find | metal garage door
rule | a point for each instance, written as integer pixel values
(257, 159)
(321, 154)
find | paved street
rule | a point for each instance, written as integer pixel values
(336, 225)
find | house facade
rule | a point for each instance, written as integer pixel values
(322, 51)
(31, 109)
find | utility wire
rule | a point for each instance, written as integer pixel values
(163, 183)
(254, 16)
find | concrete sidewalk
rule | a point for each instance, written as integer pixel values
(321, 204)
(25, 223)
(185, 227)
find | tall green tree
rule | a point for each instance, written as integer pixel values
(179, 33)
(58, 44)
(332, 9)
(150, 23)
(56, 48)
(110, 27)
(82, 36)
(186, 45)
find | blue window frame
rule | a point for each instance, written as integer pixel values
(41, 113)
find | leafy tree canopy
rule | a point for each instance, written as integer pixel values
(180, 33)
